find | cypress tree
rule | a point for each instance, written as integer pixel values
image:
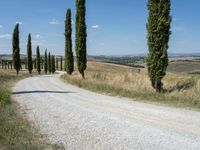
(45, 62)
(42, 63)
(5, 65)
(61, 63)
(81, 36)
(29, 55)
(56, 63)
(49, 63)
(69, 58)
(38, 59)
(158, 27)
(35, 64)
(53, 64)
(16, 49)
(8, 65)
(2, 64)
(26, 64)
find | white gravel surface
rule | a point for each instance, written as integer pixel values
(83, 120)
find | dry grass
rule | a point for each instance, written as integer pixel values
(180, 90)
(16, 132)
(184, 66)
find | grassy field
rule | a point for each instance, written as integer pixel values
(184, 67)
(16, 132)
(181, 90)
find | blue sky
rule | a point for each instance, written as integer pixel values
(114, 27)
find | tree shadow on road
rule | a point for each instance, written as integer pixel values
(41, 92)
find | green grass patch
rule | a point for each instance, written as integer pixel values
(4, 97)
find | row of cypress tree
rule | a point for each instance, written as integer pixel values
(49, 63)
(81, 37)
(6, 64)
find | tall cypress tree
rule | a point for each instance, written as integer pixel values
(38, 60)
(16, 49)
(8, 65)
(5, 65)
(61, 63)
(42, 63)
(45, 62)
(49, 63)
(56, 63)
(2, 64)
(69, 59)
(158, 27)
(11, 65)
(53, 64)
(81, 36)
(26, 64)
(29, 55)
(35, 64)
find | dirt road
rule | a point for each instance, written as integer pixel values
(84, 120)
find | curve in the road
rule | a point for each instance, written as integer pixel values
(80, 119)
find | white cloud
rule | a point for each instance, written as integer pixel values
(38, 36)
(95, 26)
(37, 43)
(54, 22)
(19, 22)
(38, 39)
(5, 36)
(1, 26)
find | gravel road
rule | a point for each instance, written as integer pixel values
(83, 120)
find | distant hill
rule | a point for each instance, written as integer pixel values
(9, 57)
(113, 58)
(5, 57)
(184, 54)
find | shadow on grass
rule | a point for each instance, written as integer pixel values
(38, 92)
(183, 85)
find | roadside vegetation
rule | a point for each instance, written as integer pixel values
(180, 90)
(16, 132)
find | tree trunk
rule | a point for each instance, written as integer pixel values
(83, 75)
(158, 86)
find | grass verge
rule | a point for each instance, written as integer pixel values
(16, 132)
(180, 90)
